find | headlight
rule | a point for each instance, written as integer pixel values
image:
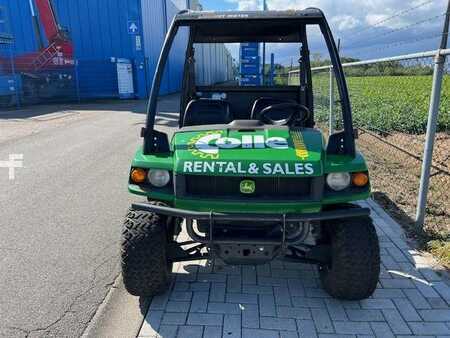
(338, 181)
(158, 177)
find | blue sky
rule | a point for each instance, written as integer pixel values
(222, 5)
(367, 29)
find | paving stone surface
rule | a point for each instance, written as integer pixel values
(280, 299)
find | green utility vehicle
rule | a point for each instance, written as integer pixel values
(247, 174)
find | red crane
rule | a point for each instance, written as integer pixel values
(47, 73)
(59, 51)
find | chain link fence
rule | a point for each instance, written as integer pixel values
(9, 81)
(24, 81)
(35, 78)
(390, 101)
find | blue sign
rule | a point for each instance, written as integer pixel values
(133, 27)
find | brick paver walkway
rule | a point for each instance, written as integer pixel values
(286, 300)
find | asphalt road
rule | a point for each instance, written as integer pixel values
(61, 216)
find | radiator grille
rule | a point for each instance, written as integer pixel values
(265, 187)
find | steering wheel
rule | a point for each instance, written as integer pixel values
(299, 113)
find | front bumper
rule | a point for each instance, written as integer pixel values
(220, 216)
(213, 217)
(244, 249)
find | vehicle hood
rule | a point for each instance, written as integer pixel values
(270, 152)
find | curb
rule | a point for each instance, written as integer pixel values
(119, 315)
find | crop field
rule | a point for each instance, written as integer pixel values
(388, 103)
(391, 115)
(397, 103)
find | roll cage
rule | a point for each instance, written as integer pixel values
(250, 26)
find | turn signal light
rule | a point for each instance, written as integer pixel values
(138, 175)
(360, 179)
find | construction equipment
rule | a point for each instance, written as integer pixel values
(47, 73)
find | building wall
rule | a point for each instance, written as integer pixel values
(100, 28)
(19, 17)
(97, 27)
(213, 64)
(154, 32)
(100, 33)
(4, 21)
(178, 52)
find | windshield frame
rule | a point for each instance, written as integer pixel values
(157, 142)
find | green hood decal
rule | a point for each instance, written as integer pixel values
(273, 152)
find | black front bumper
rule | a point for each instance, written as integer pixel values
(213, 217)
(218, 216)
(260, 250)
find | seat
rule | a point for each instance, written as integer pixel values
(207, 111)
(264, 102)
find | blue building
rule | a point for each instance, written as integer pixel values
(110, 38)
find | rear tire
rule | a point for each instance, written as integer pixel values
(145, 268)
(355, 259)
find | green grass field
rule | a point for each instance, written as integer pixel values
(397, 103)
(388, 103)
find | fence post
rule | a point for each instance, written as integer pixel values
(433, 113)
(77, 81)
(331, 121)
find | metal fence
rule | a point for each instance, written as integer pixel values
(390, 102)
(9, 81)
(22, 82)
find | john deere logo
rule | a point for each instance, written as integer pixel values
(247, 187)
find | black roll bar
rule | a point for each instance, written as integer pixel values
(343, 143)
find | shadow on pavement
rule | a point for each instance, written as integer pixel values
(417, 237)
(390, 206)
(165, 103)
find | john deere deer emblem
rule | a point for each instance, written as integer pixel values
(247, 187)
